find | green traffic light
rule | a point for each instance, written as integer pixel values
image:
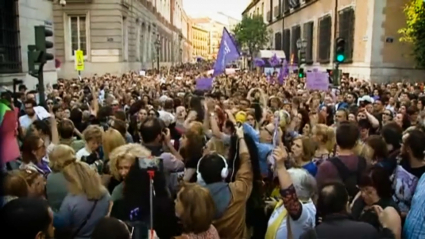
(340, 58)
(300, 75)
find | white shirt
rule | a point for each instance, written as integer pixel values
(81, 153)
(306, 221)
(25, 121)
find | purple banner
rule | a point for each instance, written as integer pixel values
(259, 62)
(317, 81)
(204, 83)
(227, 53)
(274, 60)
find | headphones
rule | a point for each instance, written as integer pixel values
(224, 171)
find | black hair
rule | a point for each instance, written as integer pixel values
(333, 198)
(210, 168)
(392, 134)
(110, 228)
(43, 126)
(25, 218)
(150, 129)
(347, 135)
(415, 142)
(195, 104)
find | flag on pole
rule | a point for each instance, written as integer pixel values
(274, 60)
(227, 52)
(284, 72)
(259, 62)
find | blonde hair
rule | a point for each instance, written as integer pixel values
(111, 139)
(217, 146)
(93, 132)
(308, 147)
(60, 156)
(127, 152)
(328, 135)
(364, 150)
(198, 208)
(15, 184)
(83, 180)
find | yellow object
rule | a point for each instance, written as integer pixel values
(240, 117)
(275, 193)
(79, 60)
(272, 229)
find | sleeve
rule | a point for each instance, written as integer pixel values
(249, 130)
(192, 162)
(244, 176)
(64, 216)
(292, 203)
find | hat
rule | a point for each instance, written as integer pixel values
(240, 117)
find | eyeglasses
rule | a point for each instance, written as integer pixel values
(50, 103)
(387, 114)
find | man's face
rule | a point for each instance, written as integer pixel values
(30, 97)
(340, 117)
(378, 106)
(29, 110)
(349, 99)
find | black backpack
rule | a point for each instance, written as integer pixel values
(348, 177)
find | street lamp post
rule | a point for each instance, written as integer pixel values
(180, 49)
(157, 47)
(301, 46)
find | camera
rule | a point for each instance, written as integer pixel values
(62, 3)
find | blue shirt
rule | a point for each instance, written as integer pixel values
(311, 168)
(415, 220)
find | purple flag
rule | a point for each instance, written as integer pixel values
(274, 60)
(227, 52)
(204, 83)
(259, 62)
(284, 72)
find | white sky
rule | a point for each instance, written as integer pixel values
(205, 8)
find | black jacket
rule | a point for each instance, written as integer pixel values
(342, 226)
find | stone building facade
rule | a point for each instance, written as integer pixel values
(116, 36)
(370, 29)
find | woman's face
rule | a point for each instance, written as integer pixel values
(391, 100)
(36, 189)
(386, 116)
(183, 141)
(93, 145)
(306, 129)
(145, 99)
(40, 151)
(152, 114)
(297, 148)
(351, 117)
(123, 168)
(369, 195)
(420, 105)
(66, 114)
(402, 109)
(399, 119)
(360, 116)
(143, 114)
(250, 120)
(375, 93)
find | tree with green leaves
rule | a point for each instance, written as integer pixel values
(251, 33)
(414, 32)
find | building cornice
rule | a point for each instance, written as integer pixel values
(250, 6)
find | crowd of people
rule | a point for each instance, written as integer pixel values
(151, 156)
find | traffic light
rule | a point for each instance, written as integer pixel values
(42, 44)
(301, 73)
(340, 50)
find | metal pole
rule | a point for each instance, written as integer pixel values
(336, 64)
(42, 97)
(157, 58)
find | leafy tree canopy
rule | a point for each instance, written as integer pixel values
(252, 33)
(414, 32)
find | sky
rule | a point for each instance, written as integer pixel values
(201, 8)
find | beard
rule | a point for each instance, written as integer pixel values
(31, 114)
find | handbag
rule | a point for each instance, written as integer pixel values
(69, 233)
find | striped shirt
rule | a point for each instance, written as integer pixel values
(415, 220)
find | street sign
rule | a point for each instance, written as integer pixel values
(79, 60)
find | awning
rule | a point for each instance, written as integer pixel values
(270, 53)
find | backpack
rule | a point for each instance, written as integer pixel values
(348, 177)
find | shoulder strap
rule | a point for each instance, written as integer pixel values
(361, 166)
(75, 234)
(343, 171)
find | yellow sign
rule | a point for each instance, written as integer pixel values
(79, 60)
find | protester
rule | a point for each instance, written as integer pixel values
(248, 148)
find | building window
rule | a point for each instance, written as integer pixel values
(308, 29)
(325, 32)
(125, 38)
(78, 34)
(278, 41)
(296, 34)
(287, 42)
(262, 9)
(10, 51)
(285, 6)
(346, 31)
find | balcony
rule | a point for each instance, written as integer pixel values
(269, 16)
